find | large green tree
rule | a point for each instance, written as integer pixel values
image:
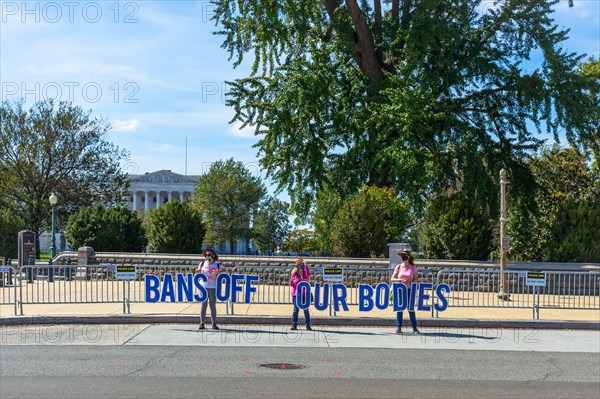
(56, 147)
(367, 222)
(10, 225)
(106, 229)
(300, 241)
(227, 195)
(176, 228)
(456, 226)
(574, 236)
(560, 174)
(418, 94)
(270, 225)
(327, 204)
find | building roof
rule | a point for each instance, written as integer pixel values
(163, 176)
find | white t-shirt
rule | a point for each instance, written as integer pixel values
(210, 271)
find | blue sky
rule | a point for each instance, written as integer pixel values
(156, 72)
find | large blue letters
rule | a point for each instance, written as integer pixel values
(365, 298)
(182, 287)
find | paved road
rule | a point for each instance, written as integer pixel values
(176, 361)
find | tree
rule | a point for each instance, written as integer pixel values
(404, 93)
(227, 195)
(10, 225)
(560, 174)
(574, 234)
(456, 227)
(591, 70)
(271, 226)
(106, 229)
(300, 241)
(328, 203)
(176, 228)
(367, 222)
(56, 148)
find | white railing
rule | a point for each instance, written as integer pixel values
(34, 285)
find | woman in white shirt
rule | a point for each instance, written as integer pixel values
(211, 269)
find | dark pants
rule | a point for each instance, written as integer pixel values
(413, 317)
(212, 300)
(296, 311)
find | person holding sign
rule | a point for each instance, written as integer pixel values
(211, 269)
(299, 273)
(406, 273)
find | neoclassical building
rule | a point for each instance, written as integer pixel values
(151, 190)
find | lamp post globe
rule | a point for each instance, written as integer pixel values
(53, 200)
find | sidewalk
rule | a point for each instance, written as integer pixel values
(281, 314)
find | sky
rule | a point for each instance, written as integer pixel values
(157, 73)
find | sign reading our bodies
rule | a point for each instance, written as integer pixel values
(189, 288)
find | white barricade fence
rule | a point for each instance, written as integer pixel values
(476, 288)
(8, 286)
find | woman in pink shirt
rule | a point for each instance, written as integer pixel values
(299, 273)
(406, 272)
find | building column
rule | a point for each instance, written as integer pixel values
(134, 202)
(170, 193)
(181, 196)
(158, 200)
(146, 200)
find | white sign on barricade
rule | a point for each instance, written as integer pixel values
(126, 272)
(333, 274)
(535, 279)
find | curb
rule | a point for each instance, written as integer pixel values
(317, 321)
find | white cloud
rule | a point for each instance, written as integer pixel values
(237, 130)
(131, 125)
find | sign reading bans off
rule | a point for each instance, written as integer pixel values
(189, 288)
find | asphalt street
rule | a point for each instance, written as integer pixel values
(178, 361)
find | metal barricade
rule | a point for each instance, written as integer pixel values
(8, 287)
(562, 290)
(477, 288)
(70, 285)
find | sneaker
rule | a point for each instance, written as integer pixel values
(215, 327)
(201, 327)
(308, 328)
(294, 327)
(398, 330)
(415, 331)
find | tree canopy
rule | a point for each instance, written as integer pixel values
(367, 221)
(417, 94)
(56, 147)
(227, 195)
(456, 227)
(563, 178)
(176, 228)
(106, 229)
(270, 226)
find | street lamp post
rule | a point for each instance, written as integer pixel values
(53, 199)
(504, 295)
